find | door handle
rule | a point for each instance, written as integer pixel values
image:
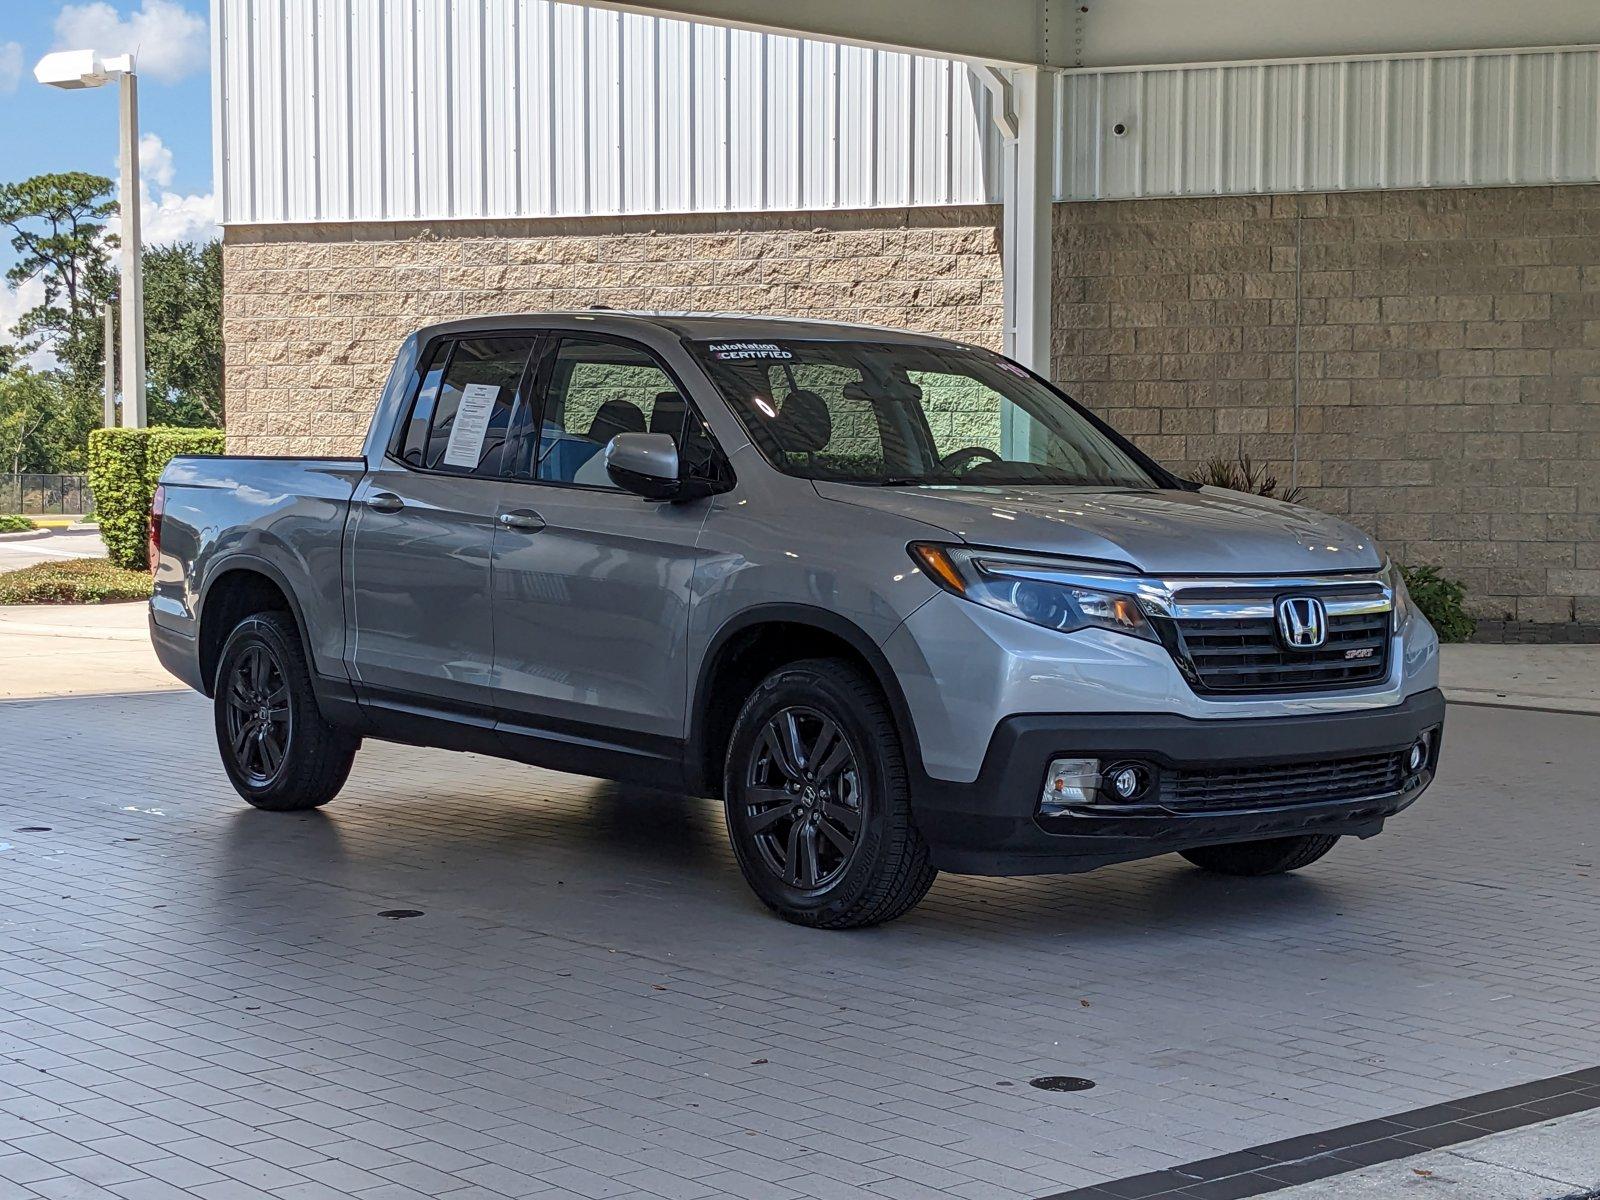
(385, 502)
(522, 518)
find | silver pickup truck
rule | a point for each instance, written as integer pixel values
(898, 602)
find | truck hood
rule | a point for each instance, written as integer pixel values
(1212, 531)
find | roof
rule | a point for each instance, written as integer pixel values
(694, 325)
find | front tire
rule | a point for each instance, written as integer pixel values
(279, 752)
(1275, 856)
(818, 800)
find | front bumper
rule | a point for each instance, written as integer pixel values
(991, 826)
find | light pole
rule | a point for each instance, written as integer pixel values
(74, 69)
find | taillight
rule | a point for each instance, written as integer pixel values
(158, 504)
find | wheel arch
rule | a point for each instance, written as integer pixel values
(242, 585)
(755, 642)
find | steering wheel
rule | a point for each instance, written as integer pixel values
(958, 462)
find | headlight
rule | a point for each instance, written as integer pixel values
(1034, 590)
(1403, 608)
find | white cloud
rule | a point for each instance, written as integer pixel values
(168, 40)
(12, 305)
(10, 66)
(174, 218)
(167, 216)
(155, 161)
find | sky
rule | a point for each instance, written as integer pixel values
(44, 129)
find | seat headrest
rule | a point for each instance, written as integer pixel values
(614, 417)
(667, 415)
(803, 424)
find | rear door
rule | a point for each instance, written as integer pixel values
(421, 553)
(592, 585)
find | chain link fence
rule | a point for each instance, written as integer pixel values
(45, 495)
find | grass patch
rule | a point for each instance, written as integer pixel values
(73, 581)
(13, 524)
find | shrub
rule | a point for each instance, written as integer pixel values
(1440, 600)
(74, 581)
(124, 467)
(116, 476)
(168, 444)
(10, 524)
(1245, 476)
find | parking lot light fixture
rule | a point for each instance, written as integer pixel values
(74, 70)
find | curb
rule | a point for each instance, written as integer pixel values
(27, 535)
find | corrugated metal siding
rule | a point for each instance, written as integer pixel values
(1440, 121)
(337, 110)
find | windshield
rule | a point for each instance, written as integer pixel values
(895, 414)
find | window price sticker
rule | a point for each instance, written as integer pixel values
(471, 425)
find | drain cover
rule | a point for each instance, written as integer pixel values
(400, 914)
(1061, 1083)
(34, 829)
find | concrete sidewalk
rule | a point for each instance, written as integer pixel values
(77, 650)
(1564, 678)
(1554, 1159)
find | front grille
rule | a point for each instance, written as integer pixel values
(1220, 789)
(1237, 653)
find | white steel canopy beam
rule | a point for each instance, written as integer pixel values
(1106, 33)
(1000, 31)
(1024, 110)
(1128, 33)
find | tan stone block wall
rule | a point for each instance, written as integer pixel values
(1444, 347)
(312, 315)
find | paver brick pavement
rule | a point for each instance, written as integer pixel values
(202, 1001)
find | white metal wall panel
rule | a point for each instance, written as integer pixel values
(1461, 120)
(430, 109)
(402, 109)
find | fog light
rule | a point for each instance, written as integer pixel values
(1125, 782)
(1418, 758)
(1068, 782)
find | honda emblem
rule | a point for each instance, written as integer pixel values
(1302, 622)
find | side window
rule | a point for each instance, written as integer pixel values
(598, 389)
(464, 418)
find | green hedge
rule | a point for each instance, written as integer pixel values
(124, 468)
(168, 444)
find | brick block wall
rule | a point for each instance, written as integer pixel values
(1444, 348)
(312, 315)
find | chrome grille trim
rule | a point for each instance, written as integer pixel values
(1359, 607)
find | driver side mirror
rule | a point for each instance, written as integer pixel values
(645, 464)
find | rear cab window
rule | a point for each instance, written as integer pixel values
(469, 407)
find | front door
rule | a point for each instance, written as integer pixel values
(592, 584)
(420, 551)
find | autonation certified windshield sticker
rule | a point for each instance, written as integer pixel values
(731, 351)
(471, 425)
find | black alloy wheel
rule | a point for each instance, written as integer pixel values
(803, 798)
(278, 749)
(817, 796)
(260, 718)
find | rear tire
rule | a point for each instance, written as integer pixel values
(1273, 857)
(818, 800)
(279, 752)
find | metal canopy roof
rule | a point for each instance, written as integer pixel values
(1102, 33)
